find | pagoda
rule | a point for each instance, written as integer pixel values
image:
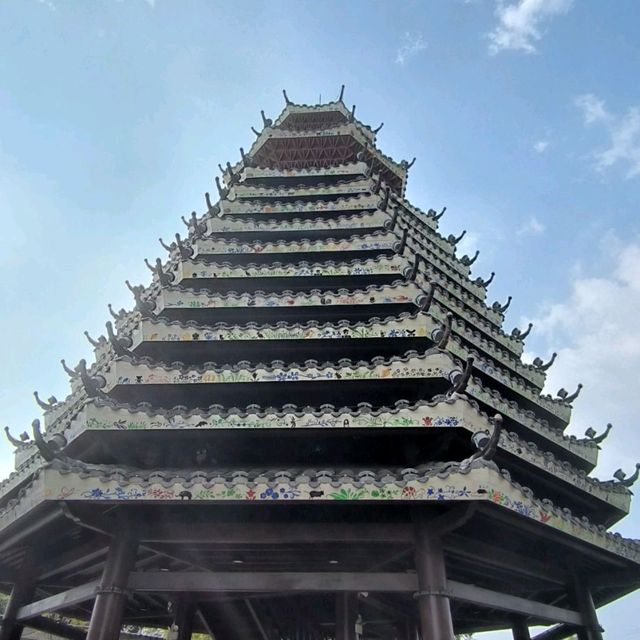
(311, 425)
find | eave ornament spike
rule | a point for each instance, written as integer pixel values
(72, 373)
(352, 116)
(622, 479)
(402, 245)
(46, 451)
(425, 301)
(286, 97)
(112, 313)
(439, 215)
(222, 192)
(24, 439)
(485, 283)
(267, 122)
(568, 399)
(462, 380)
(413, 274)
(592, 437)
(256, 132)
(376, 131)
(92, 385)
(167, 247)
(341, 94)
(516, 334)
(120, 345)
(407, 165)
(92, 342)
(446, 332)
(540, 365)
(46, 406)
(468, 261)
(185, 251)
(384, 203)
(451, 239)
(501, 308)
(145, 307)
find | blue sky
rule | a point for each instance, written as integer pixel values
(524, 117)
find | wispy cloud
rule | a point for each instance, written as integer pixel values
(532, 227)
(412, 44)
(623, 131)
(541, 146)
(521, 24)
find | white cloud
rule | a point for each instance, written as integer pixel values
(541, 146)
(412, 45)
(532, 227)
(598, 324)
(623, 131)
(520, 24)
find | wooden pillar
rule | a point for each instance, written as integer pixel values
(591, 629)
(106, 618)
(183, 619)
(346, 613)
(22, 593)
(521, 629)
(434, 609)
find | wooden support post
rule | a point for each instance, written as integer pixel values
(106, 618)
(183, 619)
(521, 629)
(434, 609)
(590, 629)
(346, 613)
(22, 592)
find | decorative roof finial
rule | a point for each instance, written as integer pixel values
(370, 167)
(207, 199)
(286, 98)
(391, 224)
(446, 332)
(232, 176)
(341, 94)
(539, 364)
(487, 446)
(425, 301)
(568, 399)
(92, 342)
(378, 184)
(119, 344)
(92, 385)
(451, 239)
(46, 406)
(362, 154)
(72, 373)
(406, 164)
(46, 451)
(384, 203)
(485, 283)
(413, 274)
(353, 113)
(185, 251)
(266, 122)
(516, 334)
(591, 434)
(145, 307)
(467, 261)
(257, 133)
(501, 308)
(439, 215)
(462, 380)
(112, 313)
(222, 192)
(376, 131)
(245, 158)
(622, 479)
(18, 444)
(221, 168)
(165, 246)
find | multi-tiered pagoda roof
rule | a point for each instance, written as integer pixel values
(312, 424)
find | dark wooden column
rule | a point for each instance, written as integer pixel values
(434, 609)
(22, 593)
(183, 619)
(346, 613)
(591, 629)
(106, 618)
(521, 629)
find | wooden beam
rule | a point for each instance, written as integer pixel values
(514, 604)
(58, 601)
(57, 628)
(280, 534)
(557, 632)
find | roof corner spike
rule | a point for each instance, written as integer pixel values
(592, 437)
(92, 342)
(541, 366)
(486, 444)
(425, 301)
(286, 97)
(118, 344)
(256, 132)
(622, 479)
(70, 372)
(207, 199)
(46, 406)
(353, 113)
(92, 385)
(165, 246)
(221, 191)
(467, 261)
(451, 239)
(501, 308)
(402, 245)
(341, 94)
(384, 203)
(485, 283)
(376, 131)
(462, 380)
(246, 160)
(568, 399)
(185, 251)
(516, 334)
(406, 164)
(446, 332)
(46, 451)
(112, 313)
(266, 122)
(439, 215)
(24, 439)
